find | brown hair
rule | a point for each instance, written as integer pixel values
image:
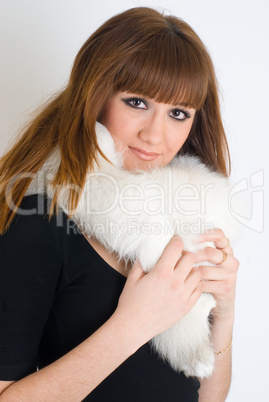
(143, 52)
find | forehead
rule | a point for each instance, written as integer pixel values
(164, 76)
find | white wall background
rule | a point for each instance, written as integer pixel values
(38, 42)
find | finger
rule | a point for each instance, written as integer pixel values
(171, 254)
(212, 255)
(214, 287)
(193, 279)
(228, 250)
(216, 236)
(195, 295)
(185, 264)
(212, 273)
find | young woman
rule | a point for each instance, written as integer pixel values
(66, 305)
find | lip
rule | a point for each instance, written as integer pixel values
(144, 155)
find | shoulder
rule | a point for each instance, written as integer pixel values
(33, 213)
(32, 227)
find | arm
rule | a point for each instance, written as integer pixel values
(219, 280)
(217, 386)
(75, 375)
(147, 306)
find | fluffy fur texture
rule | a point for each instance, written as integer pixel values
(135, 214)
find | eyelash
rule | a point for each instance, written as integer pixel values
(129, 100)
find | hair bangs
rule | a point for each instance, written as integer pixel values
(167, 70)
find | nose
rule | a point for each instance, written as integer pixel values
(153, 129)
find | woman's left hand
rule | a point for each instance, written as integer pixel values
(220, 279)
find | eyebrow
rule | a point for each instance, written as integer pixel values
(178, 104)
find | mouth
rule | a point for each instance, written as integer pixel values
(144, 155)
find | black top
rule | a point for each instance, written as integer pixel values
(55, 291)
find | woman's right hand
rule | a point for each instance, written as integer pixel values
(153, 302)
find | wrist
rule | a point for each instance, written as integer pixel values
(222, 325)
(222, 332)
(220, 352)
(131, 338)
(226, 317)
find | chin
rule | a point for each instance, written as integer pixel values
(133, 165)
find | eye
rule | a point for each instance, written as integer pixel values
(136, 103)
(179, 114)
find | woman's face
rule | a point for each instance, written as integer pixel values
(147, 132)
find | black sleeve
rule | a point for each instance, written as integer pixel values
(30, 268)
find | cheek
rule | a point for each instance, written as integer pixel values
(186, 131)
(116, 121)
(179, 139)
(119, 130)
